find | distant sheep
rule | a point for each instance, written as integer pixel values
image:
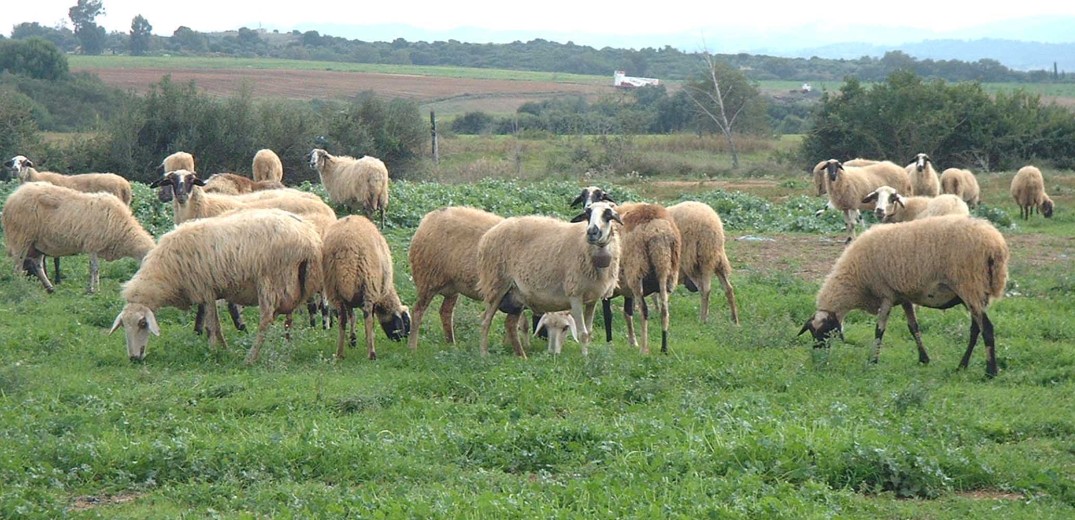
(45, 219)
(557, 325)
(703, 255)
(924, 179)
(267, 166)
(847, 186)
(963, 184)
(893, 207)
(265, 257)
(351, 181)
(1028, 190)
(233, 184)
(357, 266)
(546, 264)
(937, 262)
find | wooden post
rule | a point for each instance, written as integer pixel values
(433, 133)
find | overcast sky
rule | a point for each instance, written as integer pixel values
(549, 19)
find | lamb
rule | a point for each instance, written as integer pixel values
(267, 166)
(264, 257)
(547, 265)
(893, 207)
(357, 265)
(1028, 190)
(962, 183)
(924, 180)
(703, 254)
(232, 184)
(45, 219)
(937, 262)
(351, 181)
(848, 186)
(557, 325)
(175, 161)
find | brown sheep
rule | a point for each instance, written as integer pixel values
(703, 255)
(233, 184)
(267, 166)
(963, 184)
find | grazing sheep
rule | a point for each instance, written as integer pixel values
(264, 257)
(703, 256)
(267, 166)
(924, 179)
(233, 184)
(1028, 190)
(557, 325)
(937, 262)
(893, 207)
(351, 181)
(176, 161)
(548, 265)
(444, 260)
(847, 186)
(962, 183)
(357, 265)
(45, 219)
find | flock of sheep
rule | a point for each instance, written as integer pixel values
(252, 241)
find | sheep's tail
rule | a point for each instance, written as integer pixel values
(996, 267)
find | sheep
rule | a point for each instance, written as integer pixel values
(589, 195)
(351, 181)
(650, 249)
(265, 257)
(962, 183)
(1028, 190)
(45, 219)
(267, 166)
(232, 184)
(893, 207)
(443, 257)
(924, 180)
(848, 186)
(937, 262)
(819, 172)
(703, 254)
(175, 161)
(557, 325)
(357, 266)
(548, 265)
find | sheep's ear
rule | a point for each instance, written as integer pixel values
(540, 324)
(27, 163)
(872, 197)
(151, 324)
(198, 182)
(612, 215)
(607, 197)
(158, 182)
(116, 324)
(571, 326)
(578, 200)
(898, 200)
(582, 217)
(806, 327)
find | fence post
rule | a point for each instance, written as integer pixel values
(433, 133)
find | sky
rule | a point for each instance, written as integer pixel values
(584, 22)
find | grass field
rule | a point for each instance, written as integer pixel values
(736, 422)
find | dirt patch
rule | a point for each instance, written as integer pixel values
(985, 494)
(88, 502)
(803, 256)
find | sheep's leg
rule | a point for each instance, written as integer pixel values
(879, 332)
(36, 263)
(199, 319)
(311, 309)
(849, 224)
(263, 326)
(367, 316)
(629, 318)
(417, 311)
(644, 307)
(980, 324)
(236, 316)
(447, 323)
(511, 326)
(912, 324)
(585, 317)
(56, 269)
(341, 338)
(95, 273)
(663, 308)
(487, 319)
(705, 289)
(212, 327)
(524, 329)
(606, 315)
(729, 293)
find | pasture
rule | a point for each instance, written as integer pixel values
(740, 421)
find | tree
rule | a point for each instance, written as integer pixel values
(90, 35)
(35, 57)
(725, 97)
(140, 35)
(186, 39)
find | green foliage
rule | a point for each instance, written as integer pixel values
(18, 132)
(34, 57)
(91, 37)
(141, 35)
(53, 109)
(60, 36)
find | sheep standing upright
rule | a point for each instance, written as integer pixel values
(703, 255)
(267, 166)
(264, 257)
(45, 219)
(1028, 190)
(176, 161)
(924, 179)
(357, 266)
(548, 265)
(847, 186)
(351, 181)
(650, 249)
(937, 262)
(963, 184)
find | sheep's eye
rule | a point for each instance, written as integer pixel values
(142, 323)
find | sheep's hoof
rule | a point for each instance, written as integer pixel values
(373, 356)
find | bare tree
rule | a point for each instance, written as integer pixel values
(722, 95)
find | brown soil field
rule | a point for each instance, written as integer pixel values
(450, 95)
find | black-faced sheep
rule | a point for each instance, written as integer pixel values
(893, 207)
(1028, 190)
(589, 195)
(351, 181)
(924, 179)
(264, 257)
(557, 325)
(267, 166)
(847, 186)
(546, 264)
(357, 266)
(963, 184)
(175, 161)
(938, 262)
(703, 255)
(45, 219)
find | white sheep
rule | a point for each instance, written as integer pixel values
(924, 179)
(267, 166)
(351, 181)
(557, 325)
(176, 161)
(264, 257)
(893, 207)
(546, 264)
(40, 218)
(357, 266)
(703, 253)
(847, 186)
(650, 249)
(938, 262)
(1028, 190)
(962, 183)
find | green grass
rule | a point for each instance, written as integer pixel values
(737, 422)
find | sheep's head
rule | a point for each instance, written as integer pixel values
(819, 177)
(317, 158)
(589, 195)
(833, 168)
(886, 199)
(138, 323)
(558, 324)
(599, 217)
(180, 183)
(20, 165)
(823, 325)
(1047, 207)
(920, 161)
(396, 325)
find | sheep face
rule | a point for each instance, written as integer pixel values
(181, 183)
(558, 324)
(823, 325)
(20, 165)
(138, 323)
(599, 217)
(920, 162)
(589, 195)
(886, 199)
(833, 168)
(317, 158)
(397, 325)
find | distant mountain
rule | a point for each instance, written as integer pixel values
(1015, 55)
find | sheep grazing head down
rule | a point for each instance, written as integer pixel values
(558, 324)
(1047, 208)
(396, 326)
(138, 323)
(181, 183)
(823, 325)
(887, 199)
(589, 195)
